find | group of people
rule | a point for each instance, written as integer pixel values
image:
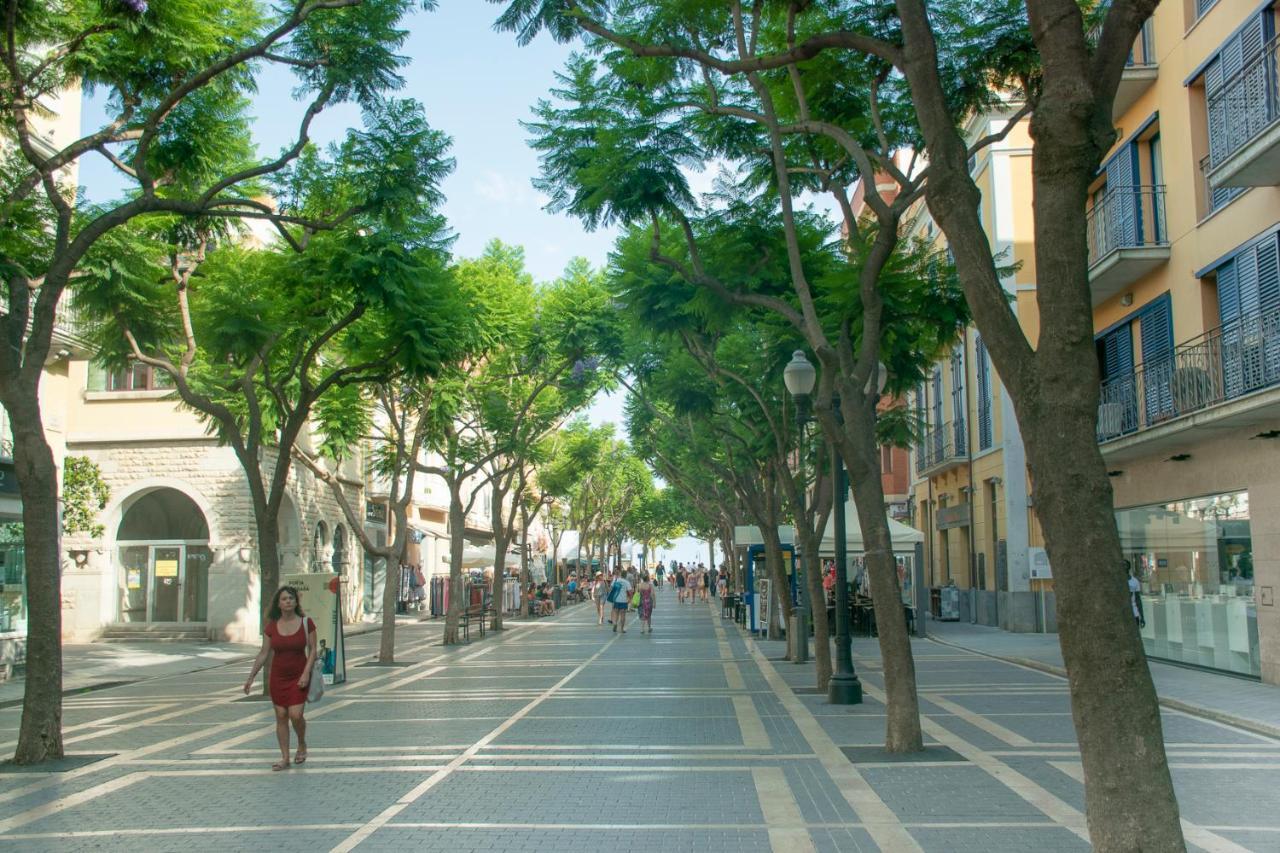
(695, 583)
(622, 592)
(541, 599)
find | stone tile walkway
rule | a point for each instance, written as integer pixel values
(1240, 701)
(560, 735)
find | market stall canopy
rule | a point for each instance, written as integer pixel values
(749, 534)
(474, 557)
(904, 537)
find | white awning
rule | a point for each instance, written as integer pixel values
(904, 537)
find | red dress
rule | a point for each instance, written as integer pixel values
(288, 661)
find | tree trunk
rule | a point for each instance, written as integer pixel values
(40, 732)
(390, 599)
(809, 545)
(267, 526)
(500, 544)
(777, 572)
(1129, 796)
(457, 523)
(862, 458)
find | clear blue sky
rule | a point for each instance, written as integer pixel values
(477, 85)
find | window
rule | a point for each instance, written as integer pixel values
(1249, 309)
(1155, 321)
(135, 377)
(1239, 88)
(985, 439)
(957, 397)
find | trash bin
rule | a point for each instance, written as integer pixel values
(557, 597)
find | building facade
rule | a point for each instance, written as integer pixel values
(1184, 242)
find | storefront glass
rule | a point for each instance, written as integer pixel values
(1193, 561)
(13, 583)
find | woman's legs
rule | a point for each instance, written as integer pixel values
(300, 728)
(282, 736)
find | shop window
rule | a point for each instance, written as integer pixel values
(1193, 563)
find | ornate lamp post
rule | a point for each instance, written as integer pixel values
(799, 376)
(844, 687)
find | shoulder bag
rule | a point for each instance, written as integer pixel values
(315, 687)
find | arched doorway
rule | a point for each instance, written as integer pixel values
(163, 542)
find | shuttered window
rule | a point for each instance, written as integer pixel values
(1156, 325)
(1119, 388)
(983, 369)
(1248, 304)
(957, 398)
(1236, 88)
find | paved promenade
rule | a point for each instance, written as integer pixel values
(560, 735)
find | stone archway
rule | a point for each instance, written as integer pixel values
(162, 558)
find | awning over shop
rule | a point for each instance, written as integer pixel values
(904, 537)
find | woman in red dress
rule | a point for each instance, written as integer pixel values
(292, 647)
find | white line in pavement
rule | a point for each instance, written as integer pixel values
(781, 811)
(97, 724)
(223, 745)
(1197, 835)
(749, 723)
(70, 801)
(884, 826)
(992, 728)
(408, 799)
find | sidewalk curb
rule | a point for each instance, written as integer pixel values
(1194, 710)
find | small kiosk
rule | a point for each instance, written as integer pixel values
(757, 594)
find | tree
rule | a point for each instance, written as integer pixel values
(958, 57)
(614, 150)
(255, 341)
(175, 76)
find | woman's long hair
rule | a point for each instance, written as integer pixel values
(274, 612)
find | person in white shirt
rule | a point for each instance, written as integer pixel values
(620, 595)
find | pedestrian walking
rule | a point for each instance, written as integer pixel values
(620, 597)
(598, 591)
(702, 582)
(647, 596)
(681, 580)
(290, 639)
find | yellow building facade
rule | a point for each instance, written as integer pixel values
(1184, 240)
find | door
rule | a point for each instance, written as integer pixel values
(135, 563)
(166, 583)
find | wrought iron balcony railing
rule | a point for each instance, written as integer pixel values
(1126, 217)
(1220, 365)
(1244, 105)
(941, 444)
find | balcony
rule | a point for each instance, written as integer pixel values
(1140, 71)
(1127, 238)
(1244, 136)
(941, 448)
(70, 330)
(1222, 377)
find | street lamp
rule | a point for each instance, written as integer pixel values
(844, 687)
(799, 376)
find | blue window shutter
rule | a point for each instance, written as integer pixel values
(1117, 353)
(984, 395)
(1268, 254)
(1228, 293)
(1158, 363)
